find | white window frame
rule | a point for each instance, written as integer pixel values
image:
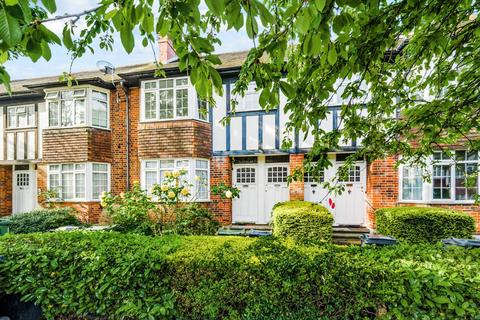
(400, 189)
(53, 95)
(88, 171)
(193, 101)
(26, 111)
(427, 193)
(191, 173)
(242, 105)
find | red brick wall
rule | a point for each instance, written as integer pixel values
(118, 118)
(296, 188)
(382, 187)
(221, 171)
(5, 190)
(76, 145)
(134, 126)
(174, 139)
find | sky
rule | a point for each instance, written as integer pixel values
(24, 68)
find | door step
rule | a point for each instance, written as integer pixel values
(348, 235)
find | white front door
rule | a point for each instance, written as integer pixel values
(350, 204)
(24, 191)
(245, 208)
(316, 192)
(276, 189)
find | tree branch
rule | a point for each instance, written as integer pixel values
(73, 15)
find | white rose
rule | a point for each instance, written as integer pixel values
(228, 194)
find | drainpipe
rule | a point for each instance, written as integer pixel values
(127, 126)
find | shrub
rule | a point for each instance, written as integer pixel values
(424, 224)
(193, 219)
(132, 211)
(43, 220)
(126, 276)
(303, 221)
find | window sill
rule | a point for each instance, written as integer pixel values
(438, 202)
(173, 119)
(21, 128)
(77, 127)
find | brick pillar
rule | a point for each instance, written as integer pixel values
(296, 188)
(5, 190)
(382, 187)
(134, 121)
(221, 171)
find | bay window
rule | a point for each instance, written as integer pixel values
(79, 181)
(453, 178)
(172, 98)
(77, 107)
(196, 177)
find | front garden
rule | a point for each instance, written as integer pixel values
(109, 275)
(158, 262)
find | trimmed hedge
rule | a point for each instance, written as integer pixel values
(43, 220)
(304, 222)
(424, 224)
(107, 275)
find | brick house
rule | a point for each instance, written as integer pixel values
(112, 130)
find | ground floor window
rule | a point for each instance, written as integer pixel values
(412, 183)
(453, 178)
(79, 181)
(197, 174)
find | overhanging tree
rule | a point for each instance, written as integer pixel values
(412, 65)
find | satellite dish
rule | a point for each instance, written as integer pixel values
(105, 67)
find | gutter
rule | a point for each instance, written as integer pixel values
(127, 126)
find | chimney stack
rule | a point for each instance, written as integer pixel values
(166, 49)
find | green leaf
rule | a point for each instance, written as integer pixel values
(50, 5)
(128, 41)
(303, 23)
(320, 4)
(287, 89)
(332, 54)
(49, 35)
(216, 6)
(67, 38)
(11, 2)
(46, 52)
(10, 30)
(109, 15)
(251, 26)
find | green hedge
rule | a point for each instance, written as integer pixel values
(108, 275)
(303, 221)
(42, 220)
(424, 224)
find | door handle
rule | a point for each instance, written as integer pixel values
(245, 186)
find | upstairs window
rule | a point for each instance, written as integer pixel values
(20, 116)
(77, 107)
(166, 99)
(250, 101)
